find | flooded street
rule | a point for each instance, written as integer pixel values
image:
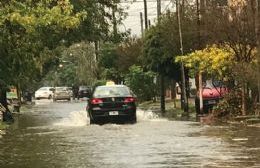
(59, 135)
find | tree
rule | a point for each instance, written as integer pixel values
(129, 53)
(26, 30)
(84, 60)
(107, 62)
(97, 26)
(141, 83)
(211, 61)
(219, 62)
(234, 26)
(162, 43)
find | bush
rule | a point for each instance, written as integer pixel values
(141, 83)
(230, 106)
(99, 83)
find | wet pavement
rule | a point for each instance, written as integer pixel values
(58, 134)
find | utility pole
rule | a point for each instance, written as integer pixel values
(158, 9)
(142, 24)
(162, 80)
(257, 33)
(198, 23)
(184, 94)
(145, 15)
(198, 77)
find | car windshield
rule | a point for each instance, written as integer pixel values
(43, 89)
(60, 89)
(83, 88)
(108, 91)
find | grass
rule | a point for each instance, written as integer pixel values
(3, 126)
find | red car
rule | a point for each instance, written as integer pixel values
(211, 96)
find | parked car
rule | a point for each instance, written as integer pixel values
(70, 91)
(112, 102)
(62, 93)
(84, 91)
(211, 96)
(44, 93)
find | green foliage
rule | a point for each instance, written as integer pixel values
(32, 15)
(99, 83)
(116, 59)
(28, 31)
(97, 25)
(129, 53)
(169, 32)
(107, 62)
(108, 55)
(153, 51)
(141, 83)
(76, 65)
(159, 50)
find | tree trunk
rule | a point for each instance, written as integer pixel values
(17, 104)
(3, 98)
(244, 99)
(173, 92)
(162, 93)
(257, 32)
(19, 94)
(7, 115)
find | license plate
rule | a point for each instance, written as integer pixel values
(113, 112)
(211, 102)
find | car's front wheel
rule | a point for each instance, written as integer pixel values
(92, 121)
(50, 96)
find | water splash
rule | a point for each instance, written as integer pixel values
(80, 118)
(148, 115)
(75, 118)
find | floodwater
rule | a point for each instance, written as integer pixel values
(58, 134)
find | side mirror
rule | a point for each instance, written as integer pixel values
(52, 89)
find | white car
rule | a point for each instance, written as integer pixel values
(62, 93)
(44, 93)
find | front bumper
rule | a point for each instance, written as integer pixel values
(38, 96)
(61, 97)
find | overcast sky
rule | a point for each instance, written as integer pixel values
(133, 19)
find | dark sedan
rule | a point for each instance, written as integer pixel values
(84, 91)
(114, 102)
